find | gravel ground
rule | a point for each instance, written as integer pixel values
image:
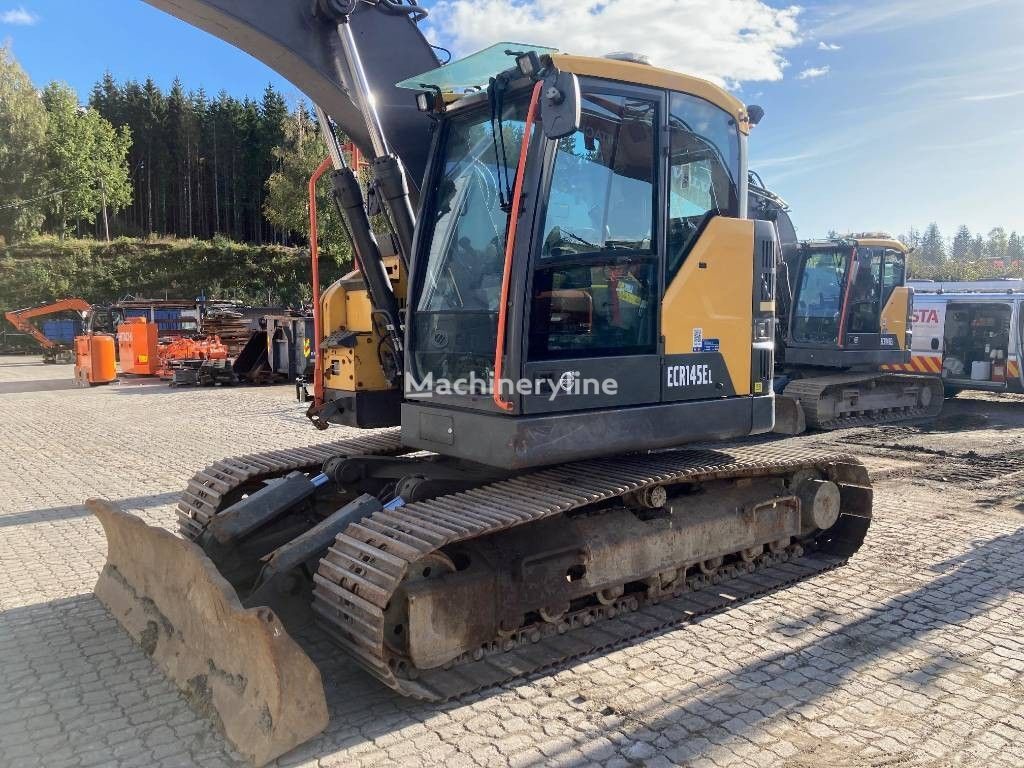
(912, 655)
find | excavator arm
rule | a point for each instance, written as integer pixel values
(22, 318)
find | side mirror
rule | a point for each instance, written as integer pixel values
(560, 105)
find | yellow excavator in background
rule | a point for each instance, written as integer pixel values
(580, 291)
(844, 312)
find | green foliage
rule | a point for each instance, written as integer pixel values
(199, 164)
(963, 243)
(46, 268)
(287, 203)
(22, 140)
(932, 249)
(85, 160)
(972, 257)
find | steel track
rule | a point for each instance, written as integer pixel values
(813, 394)
(211, 487)
(368, 562)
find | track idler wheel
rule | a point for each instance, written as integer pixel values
(819, 504)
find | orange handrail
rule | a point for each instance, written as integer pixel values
(314, 257)
(510, 241)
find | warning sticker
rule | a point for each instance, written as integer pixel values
(698, 339)
(709, 345)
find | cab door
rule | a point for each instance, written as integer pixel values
(877, 273)
(595, 288)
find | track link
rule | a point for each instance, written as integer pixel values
(218, 485)
(368, 562)
(813, 395)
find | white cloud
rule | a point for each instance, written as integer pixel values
(722, 40)
(814, 72)
(19, 16)
(823, 46)
(984, 142)
(885, 15)
(994, 96)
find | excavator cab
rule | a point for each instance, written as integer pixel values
(559, 287)
(849, 303)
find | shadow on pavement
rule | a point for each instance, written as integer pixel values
(71, 511)
(968, 586)
(53, 654)
(36, 385)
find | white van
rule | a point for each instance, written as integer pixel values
(969, 333)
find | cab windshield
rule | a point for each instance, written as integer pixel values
(820, 297)
(455, 322)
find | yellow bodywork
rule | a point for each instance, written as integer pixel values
(346, 306)
(881, 242)
(643, 74)
(712, 292)
(895, 314)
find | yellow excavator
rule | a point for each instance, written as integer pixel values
(571, 289)
(844, 313)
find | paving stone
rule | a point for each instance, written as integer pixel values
(915, 648)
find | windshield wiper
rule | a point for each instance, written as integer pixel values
(578, 239)
(496, 97)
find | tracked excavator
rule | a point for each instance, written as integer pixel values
(844, 311)
(577, 220)
(53, 351)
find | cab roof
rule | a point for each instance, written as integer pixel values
(655, 77)
(871, 240)
(470, 75)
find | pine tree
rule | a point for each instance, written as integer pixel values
(978, 248)
(23, 123)
(933, 247)
(912, 239)
(1014, 250)
(963, 244)
(996, 244)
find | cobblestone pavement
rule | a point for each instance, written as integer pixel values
(912, 655)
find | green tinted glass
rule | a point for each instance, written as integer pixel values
(474, 71)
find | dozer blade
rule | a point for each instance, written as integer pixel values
(237, 666)
(789, 416)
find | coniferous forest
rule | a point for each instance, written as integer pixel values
(140, 190)
(199, 164)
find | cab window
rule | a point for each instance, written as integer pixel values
(879, 273)
(704, 182)
(865, 292)
(893, 274)
(595, 281)
(819, 297)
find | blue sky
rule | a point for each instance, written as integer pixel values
(881, 114)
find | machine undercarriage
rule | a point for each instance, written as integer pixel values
(459, 591)
(827, 400)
